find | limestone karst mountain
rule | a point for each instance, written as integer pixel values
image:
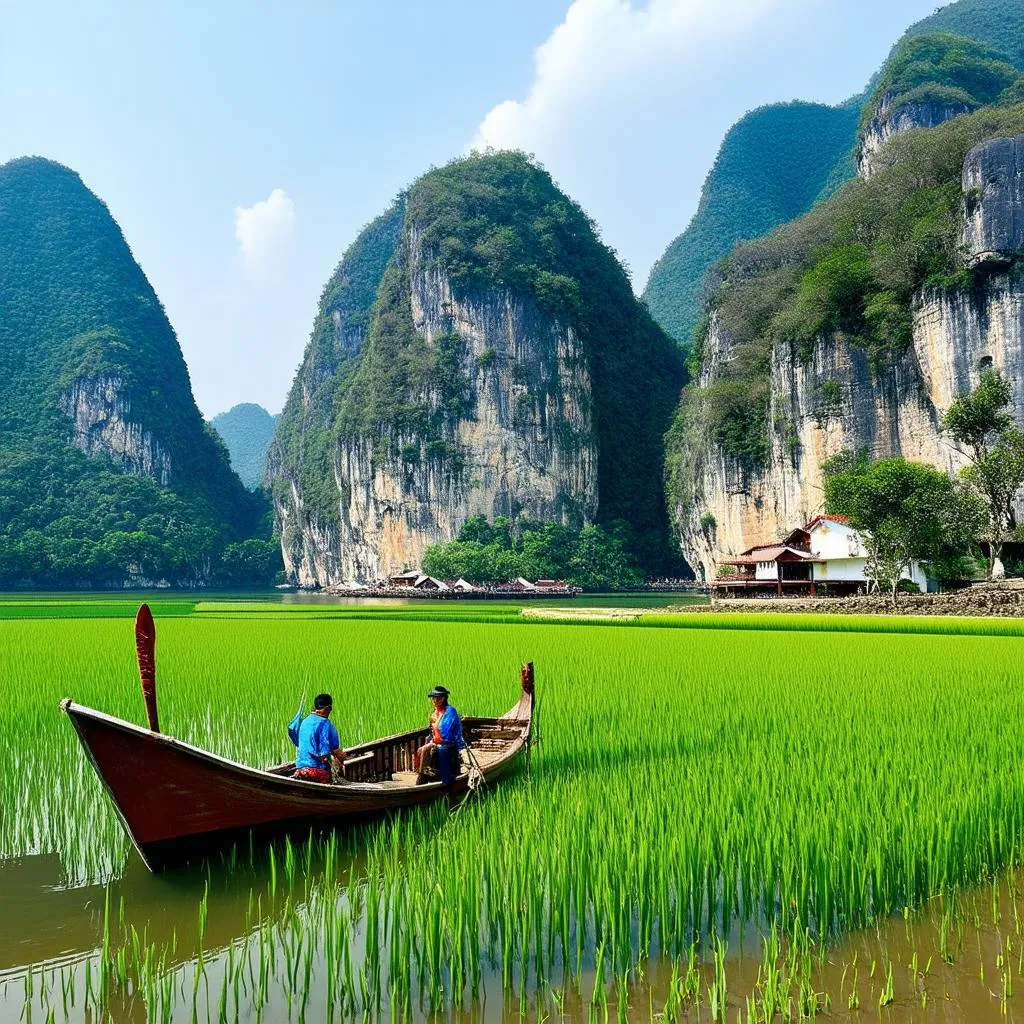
(477, 351)
(855, 328)
(247, 430)
(778, 161)
(107, 471)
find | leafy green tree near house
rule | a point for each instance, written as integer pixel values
(907, 512)
(988, 436)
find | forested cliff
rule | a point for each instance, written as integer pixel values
(477, 352)
(778, 161)
(108, 474)
(857, 325)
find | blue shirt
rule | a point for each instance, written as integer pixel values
(450, 728)
(317, 738)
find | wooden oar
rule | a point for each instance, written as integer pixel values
(145, 650)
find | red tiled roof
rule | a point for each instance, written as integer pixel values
(768, 553)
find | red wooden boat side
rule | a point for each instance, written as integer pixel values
(170, 794)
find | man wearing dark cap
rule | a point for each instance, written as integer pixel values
(318, 743)
(441, 753)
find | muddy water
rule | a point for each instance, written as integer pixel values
(958, 959)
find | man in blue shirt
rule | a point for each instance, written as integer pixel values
(441, 753)
(318, 743)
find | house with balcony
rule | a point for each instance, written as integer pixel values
(824, 556)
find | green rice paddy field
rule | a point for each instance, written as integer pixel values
(747, 818)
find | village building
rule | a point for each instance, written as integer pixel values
(825, 556)
(405, 579)
(417, 580)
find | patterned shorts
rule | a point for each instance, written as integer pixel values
(313, 774)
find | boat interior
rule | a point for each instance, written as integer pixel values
(389, 761)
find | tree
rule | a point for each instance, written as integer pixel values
(988, 436)
(600, 562)
(250, 563)
(906, 511)
(593, 557)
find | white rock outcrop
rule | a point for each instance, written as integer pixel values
(993, 183)
(100, 413)
(890, 120)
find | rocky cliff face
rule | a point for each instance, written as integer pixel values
(993, 185)
(524, 445)
(506, 370)
(889, 121)
(101, 424)
(832, 400)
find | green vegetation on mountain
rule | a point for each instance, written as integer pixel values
(493, 221)
(996, 23)
(773, 165)
(304, 438)
(246, 430)
(76, 310)
(769, 169)
(346, 303)
(588, 557)
(942, 69)
(850, 267)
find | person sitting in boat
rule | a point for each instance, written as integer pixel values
(318, 743)
(440, 754)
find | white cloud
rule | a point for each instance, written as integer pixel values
(610, 46)
(264, 229)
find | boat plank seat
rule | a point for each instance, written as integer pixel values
(503, 734)
(361, 767)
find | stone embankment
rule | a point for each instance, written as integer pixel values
(998, 599)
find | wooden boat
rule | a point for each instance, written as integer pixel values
(176, 801)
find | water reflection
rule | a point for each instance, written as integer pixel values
(61, 924)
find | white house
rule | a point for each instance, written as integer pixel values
(841, 555)
(824, 553)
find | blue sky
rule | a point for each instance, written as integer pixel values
(241, 146)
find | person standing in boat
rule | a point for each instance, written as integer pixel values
(440, 754)
(318, 743)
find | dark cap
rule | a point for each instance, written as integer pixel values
(438, 691)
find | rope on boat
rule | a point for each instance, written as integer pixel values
(476, 779)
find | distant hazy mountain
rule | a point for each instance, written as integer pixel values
(247, 430)
(108, 474)
(776, 162)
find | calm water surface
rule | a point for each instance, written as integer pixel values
(52, 931)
